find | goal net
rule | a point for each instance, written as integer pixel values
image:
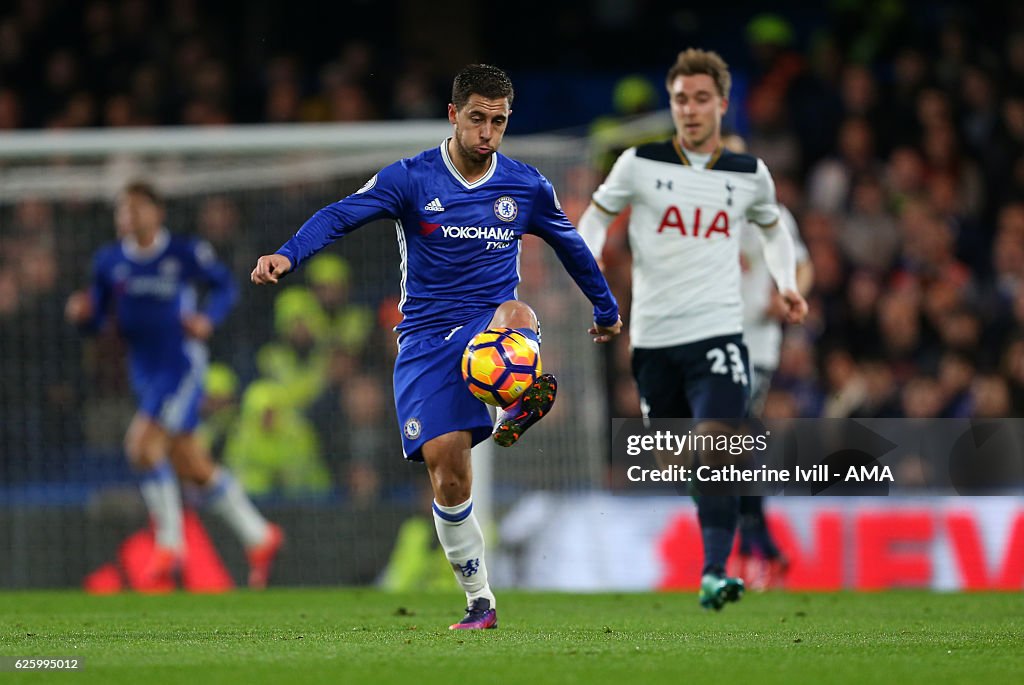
(67, 497)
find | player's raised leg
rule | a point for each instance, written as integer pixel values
(146, 444)
(449, 463)
(221, 494)
(537, 400)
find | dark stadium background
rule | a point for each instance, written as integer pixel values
(894, 130)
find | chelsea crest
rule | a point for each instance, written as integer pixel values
(412, 428)
(505, 208)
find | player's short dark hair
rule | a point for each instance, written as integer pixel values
(695, 61)
(481, 79)
(146, 190)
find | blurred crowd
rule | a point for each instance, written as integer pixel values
(902, 160)
(906, 176)
(69, 64)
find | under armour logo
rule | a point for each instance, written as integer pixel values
(667, 184)
(729, 187)
(469, 568)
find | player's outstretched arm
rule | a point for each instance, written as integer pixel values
(603, 334)
(269, 268)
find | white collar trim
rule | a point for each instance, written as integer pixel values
(141, 255)
(458, 176)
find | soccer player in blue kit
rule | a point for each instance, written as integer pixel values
(147, 280)
(461, 210)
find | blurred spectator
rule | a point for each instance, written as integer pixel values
(880, 398)
(218, 221)
(219, 408)
(909, 74)
(796, 376)
(417, 562)
(831, 181)
(900, 327)
(922, 398)
(357, 425)
(904, 176)
(10, 109)
(956, 371)
(296, 359)
(414, 95)
(980, 115)
(1008, 251)
(847, 388)
(990, 397)
(870, 237)
(274, 449)
(349, 325)
(1013, 368)
(771, 135)
(943, 154)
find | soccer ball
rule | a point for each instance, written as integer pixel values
(499, 365)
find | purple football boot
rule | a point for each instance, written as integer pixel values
(479, 616)
(534, 404)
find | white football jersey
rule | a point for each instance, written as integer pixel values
(763, 335)
(684, 231)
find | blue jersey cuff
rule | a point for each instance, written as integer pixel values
(606, 319)
(285, 252)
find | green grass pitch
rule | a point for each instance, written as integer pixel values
(364, 636)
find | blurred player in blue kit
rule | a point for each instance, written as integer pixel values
(461, 210)
(147, 281)
(690, 198)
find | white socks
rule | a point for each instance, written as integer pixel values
(463, 544)
(163, 500)
(225, 497)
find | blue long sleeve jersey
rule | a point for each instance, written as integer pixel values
(150, 290)
(459, 242)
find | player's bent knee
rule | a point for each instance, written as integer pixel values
(449, 463)
(450, 490)
(145, 443)
(191, 461)
(514, 314)
(144, 453)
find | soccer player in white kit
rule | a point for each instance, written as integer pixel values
(761, 564)
(690, 198)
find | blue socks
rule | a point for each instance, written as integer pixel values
(718, 515)
(754, 535)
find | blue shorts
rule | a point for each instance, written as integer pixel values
(706, 379)
(430, 395)
(170, 395)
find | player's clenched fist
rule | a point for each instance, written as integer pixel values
(796, 306)
(269, 268)
(79, 308)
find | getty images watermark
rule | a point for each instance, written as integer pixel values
(818, 456)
